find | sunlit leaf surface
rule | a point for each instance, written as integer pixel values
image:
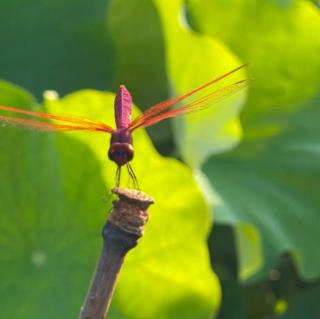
(54, 199)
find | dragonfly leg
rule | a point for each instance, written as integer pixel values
(133, 176)
(118, 175)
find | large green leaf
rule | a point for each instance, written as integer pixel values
(55, 44)
(52, 211)
(271, 180)
(277, 194)
(209, 131)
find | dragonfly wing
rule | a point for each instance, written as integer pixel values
(198, 104)
(41, 126)
(73, 123)
(163, 106)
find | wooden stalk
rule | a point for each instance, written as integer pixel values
(121, 232)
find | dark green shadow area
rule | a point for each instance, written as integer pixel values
(59, 45)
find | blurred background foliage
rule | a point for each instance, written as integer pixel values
(245, 189)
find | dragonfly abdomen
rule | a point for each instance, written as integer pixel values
(123, 108)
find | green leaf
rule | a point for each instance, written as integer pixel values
(271, 179)
(217, 128)
(278, 43)
(277, 194)
(51, 209)
(15, 95)
(48, 221)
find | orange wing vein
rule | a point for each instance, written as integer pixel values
(77, 123)
(156, 111)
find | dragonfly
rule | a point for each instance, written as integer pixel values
(121, 150)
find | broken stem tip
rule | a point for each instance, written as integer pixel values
(121, 232)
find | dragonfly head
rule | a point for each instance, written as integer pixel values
(120, 153)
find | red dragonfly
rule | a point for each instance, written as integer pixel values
(121, 147)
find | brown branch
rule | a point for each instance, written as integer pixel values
(120, 234)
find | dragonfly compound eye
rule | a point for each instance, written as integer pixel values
(120, 153)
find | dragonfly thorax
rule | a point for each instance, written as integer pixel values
(121, 148)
